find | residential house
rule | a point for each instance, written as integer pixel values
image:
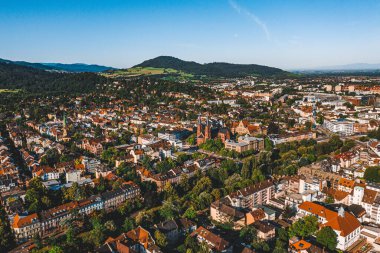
(213, 241)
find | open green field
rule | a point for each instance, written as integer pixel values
(9, 91)
(146, 71)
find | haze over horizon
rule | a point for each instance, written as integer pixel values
(285, 34)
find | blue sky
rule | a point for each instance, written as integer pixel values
(121, 33)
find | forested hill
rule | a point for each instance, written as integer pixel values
(14, 76)
(62, 67)
(216, 69)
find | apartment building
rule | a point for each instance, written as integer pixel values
(341, 127)
(229, 208)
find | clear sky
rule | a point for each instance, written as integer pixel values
(121, 33)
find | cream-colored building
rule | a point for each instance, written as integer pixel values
(245, 143)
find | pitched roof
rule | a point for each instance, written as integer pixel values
(257, 214)
(346, 182)
(369, 196)
(336, 194)
(19, 221)
(344, 224)
(140, 235)
(218, 243)
(301, 245)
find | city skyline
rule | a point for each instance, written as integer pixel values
(284, 34)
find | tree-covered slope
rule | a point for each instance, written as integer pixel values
(75, 67)
(216, 69)
(13, 76)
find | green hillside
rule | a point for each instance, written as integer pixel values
(216, 69)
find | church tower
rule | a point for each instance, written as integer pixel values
(199, 126)
(207, 129)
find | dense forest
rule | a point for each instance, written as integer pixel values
(61, 67)
(216, 69)
(13, 76)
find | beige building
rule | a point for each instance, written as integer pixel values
(245, 143)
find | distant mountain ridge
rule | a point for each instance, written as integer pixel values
(37, 79)
(354, 66)
(216, 69)
(78, 67)
(346, 68)
(75, 67)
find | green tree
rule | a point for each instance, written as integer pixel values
(36, 197)
(327, 237)
(192, 243)
(204, 184)
(169, 191)
(304, 227)
(279, 250)
(98, 132)
(129, 224)
(190, 213)
(268, 144)
(6, 234)
(372, 174)
(37, 241)
(191, 140)
(97, 235)
(161, 239)
(246, 169)
(74, 192)
(56, 249)
(248, 234)
(273, 128)
(329, 200)
(184, 182)
(70, 236)
(257, 176)
(168, 210)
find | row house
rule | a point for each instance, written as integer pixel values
(346, 185)
(347, 159)
(46, 173)
(113, 199)
(173, 176)
(30, 160)
(16, 137)
(369, 199)
(25, 227)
